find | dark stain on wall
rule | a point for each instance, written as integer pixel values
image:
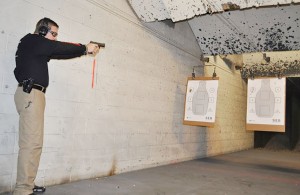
(112, 171)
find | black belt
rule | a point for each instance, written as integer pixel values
(36, 86)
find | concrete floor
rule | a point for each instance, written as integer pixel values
(256, 171)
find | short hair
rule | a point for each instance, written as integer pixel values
(45, 22)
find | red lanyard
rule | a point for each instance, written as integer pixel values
(93, 72)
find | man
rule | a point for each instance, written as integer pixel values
(32, 56)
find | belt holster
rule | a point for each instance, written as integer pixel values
(27, 85)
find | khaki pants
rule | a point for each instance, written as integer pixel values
(31, 109)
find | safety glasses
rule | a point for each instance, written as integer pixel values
(54, 34)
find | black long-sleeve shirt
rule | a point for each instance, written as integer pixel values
(34, 52)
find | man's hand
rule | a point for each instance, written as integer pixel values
(92, 49)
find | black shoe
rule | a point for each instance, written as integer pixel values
(38, 189)
(32, 194)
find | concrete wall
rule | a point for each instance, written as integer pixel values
(132, 118)
(229, 133)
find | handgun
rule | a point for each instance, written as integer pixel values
(99, 44)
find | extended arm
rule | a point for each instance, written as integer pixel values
(64, 50)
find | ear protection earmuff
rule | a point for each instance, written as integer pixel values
(44, 29)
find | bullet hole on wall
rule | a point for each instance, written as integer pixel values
(225, 44)
(278, 37)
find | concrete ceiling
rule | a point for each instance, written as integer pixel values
(235, 27)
